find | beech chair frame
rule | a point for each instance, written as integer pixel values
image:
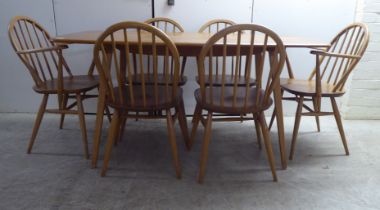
(327, 80)
(50, 72)
(116, 72)
(236, 99)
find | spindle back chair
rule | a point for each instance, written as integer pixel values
(251, 42)
(332, 69)
(215, 25)
(50, 72)
(165, 24)
(118, 73)
(169, 26)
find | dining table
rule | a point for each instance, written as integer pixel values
(189, 44)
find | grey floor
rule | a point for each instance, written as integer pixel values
(141, 175)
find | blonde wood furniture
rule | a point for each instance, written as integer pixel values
(327, 80)
(124, 96)
(214, 26)
(169, 26)
(211, 27)
(235, 98)
(50, 73)
(188, 44)
(165, 24)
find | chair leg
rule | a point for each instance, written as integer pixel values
(272, 118)
(268, 145)
(204, 153)
(258, 132)
(65, 99)
(316, 109)
(123, 120)
(296, 127)
(37, 123)
(196, 119)
(108, 113)
(82, 124)
(274, 113)
(98, 127)
(106, 109)
(340, 125)
(112, 133)
(173, 144)
(183, 123)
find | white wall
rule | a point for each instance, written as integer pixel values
(314, 19)
(363, 98)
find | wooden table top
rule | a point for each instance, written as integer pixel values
(184, 39)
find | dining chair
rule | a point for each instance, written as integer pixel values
(212, 27)
(126, 97)
(251, 42)
(169, 26)
(50, 73)
(327, 79)
(215, 25)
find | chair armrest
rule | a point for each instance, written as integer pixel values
(47, 49)
(339, 55)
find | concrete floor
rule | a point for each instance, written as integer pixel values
(141, 175)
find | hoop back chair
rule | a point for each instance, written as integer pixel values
(327, 80)
(214, 26)
(123, 95)
(50, 73)
(169, 26)
(253, 43)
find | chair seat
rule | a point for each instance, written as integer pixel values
(307, 88)
(149, 80)
(153, 102)
(229, 80)
(226, 103)
(74, 84)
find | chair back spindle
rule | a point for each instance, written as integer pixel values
(346, 48)
(40, 55)
(251, 43)
(114, 55)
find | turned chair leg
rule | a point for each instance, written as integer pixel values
(64, 105)
(296, 127)
(339, 124)
(37, 123)
(183, 123)
(196, 119)
(268, 146)
(112, 133)
(272, 118)
(258, 132)
(204, 153)
(123, 121)
(173, 144)
(274, 113)
(316, 109)
(82, 124)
